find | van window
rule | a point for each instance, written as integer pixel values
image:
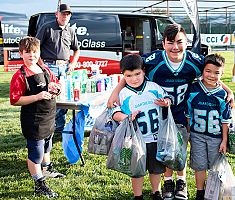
(45, 19)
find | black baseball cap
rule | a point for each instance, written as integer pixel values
(65, 8)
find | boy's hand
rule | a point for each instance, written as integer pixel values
(134, 114)
(163, 102)
(230, 99)
(113, 101)
(223, 147)
(54, 88)
(44, 95)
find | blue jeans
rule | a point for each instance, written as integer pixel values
(59, 70)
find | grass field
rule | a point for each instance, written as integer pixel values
(93, 181)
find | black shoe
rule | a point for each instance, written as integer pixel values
(138, 197)
(42, 189)
(200, 194)
(168, 190)
(157, 196)
(181, 190)
(50, 172)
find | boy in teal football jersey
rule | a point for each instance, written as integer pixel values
(209, 116)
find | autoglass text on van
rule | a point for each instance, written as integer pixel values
(87, 42)
(12, 34)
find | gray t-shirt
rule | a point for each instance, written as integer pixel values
(56, 42)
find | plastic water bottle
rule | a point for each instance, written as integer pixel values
(63, 90)
(68, 86)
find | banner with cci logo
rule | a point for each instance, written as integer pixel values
(214, 39)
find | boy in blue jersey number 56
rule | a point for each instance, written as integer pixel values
(174, 69)
(143, 99)
(209, 116)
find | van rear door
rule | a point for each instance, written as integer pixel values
(137, 33)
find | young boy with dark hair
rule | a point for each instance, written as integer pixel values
(142, 99)
(34, 89)
(209, 116)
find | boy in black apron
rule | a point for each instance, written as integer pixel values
(34, 89)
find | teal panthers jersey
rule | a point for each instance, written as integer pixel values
(143, 100)
(207, 110)
(174, 81)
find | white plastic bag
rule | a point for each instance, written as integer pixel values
(221, 172)
(171, 145)
(231, 134)
(128, 150)
(102, 133)
(213, 184)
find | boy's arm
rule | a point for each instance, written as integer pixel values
(230, 97)
(119, 116)
(25, 100)
(188, 124)
(223, 145)
(114, 96)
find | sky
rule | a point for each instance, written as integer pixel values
(30, 7)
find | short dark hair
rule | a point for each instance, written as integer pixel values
(214, 59)
(131, 62)
(29, 44)
(171, 31)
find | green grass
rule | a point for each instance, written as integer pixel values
(93, 181)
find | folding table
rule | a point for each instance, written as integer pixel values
(73, 105)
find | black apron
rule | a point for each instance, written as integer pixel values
(38, 118)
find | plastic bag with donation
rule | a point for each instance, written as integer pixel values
(68, 144)
(171, 144)
(102, 133)
(221, 181)
(231, 134)
(128, 150)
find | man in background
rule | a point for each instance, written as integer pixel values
(57, 39)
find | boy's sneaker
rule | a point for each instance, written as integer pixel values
(157, 196)
(42, 189)
(200, 194)
(138, 197)
(168, 190)
(50, 172)
(181, 190)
